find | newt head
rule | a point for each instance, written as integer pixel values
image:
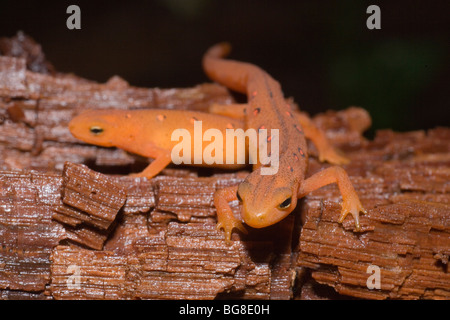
(95, 127)
(266, 199)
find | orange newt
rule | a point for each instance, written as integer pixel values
(266, 199)
(147, 132)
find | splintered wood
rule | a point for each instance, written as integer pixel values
(73, 225)
(27, 233)
(92, 193)
(188, 261)
(405, 243)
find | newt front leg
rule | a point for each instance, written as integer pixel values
(350, 204)
(162, 158)
(226, 219)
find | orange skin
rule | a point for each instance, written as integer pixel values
(147, 132)
(266, 199)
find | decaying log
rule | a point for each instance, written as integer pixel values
(23, 46)
(73, 225)
(188, 261)
(91, 199)
(86, 191)
(27, 233)
(404, 183)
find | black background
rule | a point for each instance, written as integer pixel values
(321, 51)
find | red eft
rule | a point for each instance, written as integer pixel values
(265, 199)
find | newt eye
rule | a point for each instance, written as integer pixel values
(238, 196)
(286, 203)
(96, 130)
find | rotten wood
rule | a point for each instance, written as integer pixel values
(188, 261)
(89, 197)
(403, 182)
(73, 225)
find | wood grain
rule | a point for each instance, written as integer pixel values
(73, 225)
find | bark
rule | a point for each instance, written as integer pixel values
(73, 225)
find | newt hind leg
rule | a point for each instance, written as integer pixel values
(327, 152)
(236, 110)
(351, 203)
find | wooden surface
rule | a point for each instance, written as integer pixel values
(404, 183)
(73, 225)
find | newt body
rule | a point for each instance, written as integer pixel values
(266, 199)
(148, 132)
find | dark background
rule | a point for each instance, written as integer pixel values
(321, 51)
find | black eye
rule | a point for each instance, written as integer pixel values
(286, 203)
(96, 130)
(238, 196)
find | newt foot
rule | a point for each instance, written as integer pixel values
(353, 207)
(228, 226)
(333, 156)
(139, 175)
